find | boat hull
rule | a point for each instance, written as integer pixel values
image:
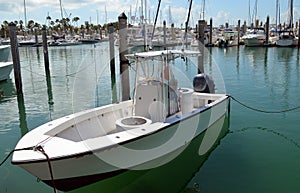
(4, 53)
(5, 70)
(141, 153)
(251, 42)
(285, 42)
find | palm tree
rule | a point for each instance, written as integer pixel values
(76, 19)
(48, 18)
(30, 25)
(21, 25)
(4, 28)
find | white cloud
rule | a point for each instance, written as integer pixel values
(222, 17)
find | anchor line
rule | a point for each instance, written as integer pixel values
(264, 111)
(35, 148)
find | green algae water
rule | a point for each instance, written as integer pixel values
(256, 152)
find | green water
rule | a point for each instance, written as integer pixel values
(259, 153)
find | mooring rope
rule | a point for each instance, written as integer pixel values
(40, 149)
(264, 111)
(26, 148)
(35, 148)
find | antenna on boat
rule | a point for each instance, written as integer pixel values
(156, 16)
(187, 21)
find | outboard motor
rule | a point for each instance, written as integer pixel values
(203, 83)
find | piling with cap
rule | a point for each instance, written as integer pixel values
(124, 63)
(210, 31)
(36, 39)
(299, 34)
(165, 34)
(267, 30)
(45, 48)
(239, 31)
(201, 25)
(111, 49)
(15, 57)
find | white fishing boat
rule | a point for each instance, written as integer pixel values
(5, 70)
(145, 132)
(228, 39)
(4, 53)
(255, 37)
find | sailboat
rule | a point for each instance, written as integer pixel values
(150, 129)
(286, 36)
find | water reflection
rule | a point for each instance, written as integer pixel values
(171, 177)
(114, 98)
(49, 90)
(7, 90)
(22, 114)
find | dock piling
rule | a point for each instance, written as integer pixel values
(267, 30)
(210, 31)
(111, 49)
(299, 34)
(201, 24)
(36, 36)
(124, 63)
(45, 48)
(15, 57)
(239, 32)
(165, 34)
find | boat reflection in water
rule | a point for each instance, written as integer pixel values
(172, 176)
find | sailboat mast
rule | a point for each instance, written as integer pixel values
(142, 12)
(25, 15)
(61, 11)
(276, 22)
(291, 14)
(255, 11)
(106, 19)
(146, 11)
(203, 9)
(249, 14)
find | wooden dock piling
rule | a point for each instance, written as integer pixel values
(111, 49)
(165, 34)
(245, 27)
(210, 31)
(45, 48)
(124, 63)
(36, 39)
(201, 24)
(112, 62)
(267, 30)
(239, 31)
(47, 68)
(15, 57)
(299, 34)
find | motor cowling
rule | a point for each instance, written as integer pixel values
(203, 83)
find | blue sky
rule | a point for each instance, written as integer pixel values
(94, 10)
